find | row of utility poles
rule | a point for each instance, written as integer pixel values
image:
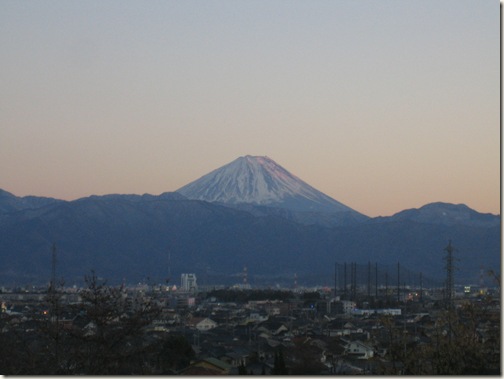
(350, 280)
(349, 288)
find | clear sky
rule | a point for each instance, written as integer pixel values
(383, 105)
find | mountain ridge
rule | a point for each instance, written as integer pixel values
(435, 212)
(12, 203)
(125, 237)
(444, 214)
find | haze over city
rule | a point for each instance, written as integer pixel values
(383, 106)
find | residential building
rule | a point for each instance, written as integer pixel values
(188, 282)
(359, 349)
(201, 323)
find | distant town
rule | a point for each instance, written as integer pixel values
(182, 328)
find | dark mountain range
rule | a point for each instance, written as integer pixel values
(11, 203)
(444, 214)
(130, 237)
(250, 212)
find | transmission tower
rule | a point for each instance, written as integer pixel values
(450, 291)
(52, 286)
(54, 304)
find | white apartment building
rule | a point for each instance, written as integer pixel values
(188, 282)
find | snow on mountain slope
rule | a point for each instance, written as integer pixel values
(260, 181)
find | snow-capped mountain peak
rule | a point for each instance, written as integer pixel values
(259, 180)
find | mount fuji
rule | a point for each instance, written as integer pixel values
(260, 183)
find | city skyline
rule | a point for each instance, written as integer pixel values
(383, 106)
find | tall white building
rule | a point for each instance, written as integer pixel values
(188, 282)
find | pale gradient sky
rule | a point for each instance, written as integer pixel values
(382, 105)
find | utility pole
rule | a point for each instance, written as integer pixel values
(350, 293)
(335, 279)
(398, 282)
(386, 286)
(376, 280)
(369, 279)
(421, 287)
(345, 284)
(354, 280)
(481, 282)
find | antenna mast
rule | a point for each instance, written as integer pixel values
(169, 268)
(245, 277)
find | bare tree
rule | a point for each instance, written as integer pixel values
(112, 341)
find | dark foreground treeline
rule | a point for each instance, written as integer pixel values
(107, 336)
